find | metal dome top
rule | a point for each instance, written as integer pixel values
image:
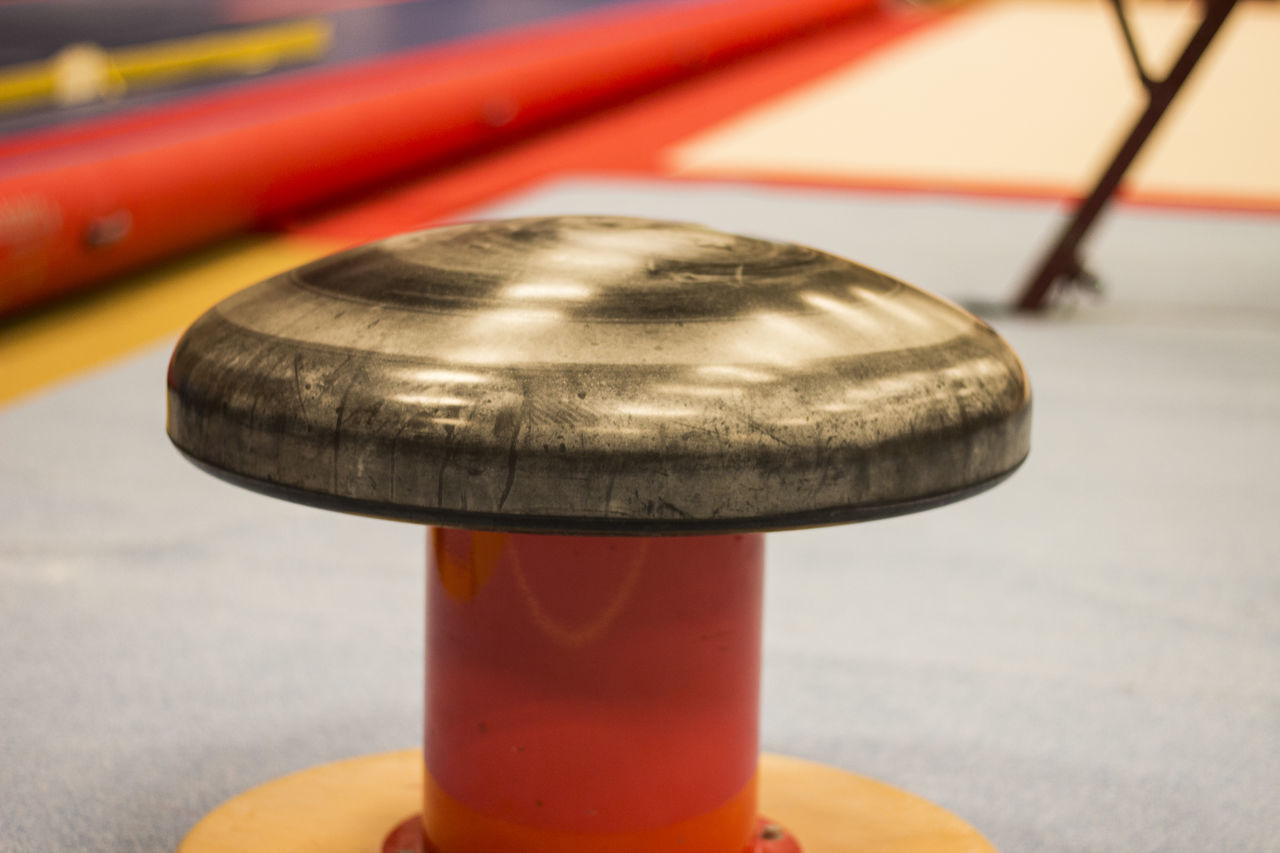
(598, 375)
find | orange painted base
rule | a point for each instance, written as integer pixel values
(350, 807)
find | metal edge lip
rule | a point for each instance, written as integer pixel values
(593, 526)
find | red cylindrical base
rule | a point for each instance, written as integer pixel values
(592, 694)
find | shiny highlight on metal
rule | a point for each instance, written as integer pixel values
(598, 374)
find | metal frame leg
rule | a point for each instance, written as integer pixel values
(1062, 260)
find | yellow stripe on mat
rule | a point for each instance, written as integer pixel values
(67, 339)
(84, 72)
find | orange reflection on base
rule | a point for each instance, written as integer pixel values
(592, 694)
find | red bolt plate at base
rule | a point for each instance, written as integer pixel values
(408, 837)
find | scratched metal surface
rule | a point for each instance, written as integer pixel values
(1086, 658)
(598, 374)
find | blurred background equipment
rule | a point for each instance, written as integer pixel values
(186, 171)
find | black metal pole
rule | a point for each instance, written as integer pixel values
(1062, 259)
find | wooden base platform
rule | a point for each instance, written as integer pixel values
(350, 807)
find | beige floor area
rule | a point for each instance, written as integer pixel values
(1027, 95)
